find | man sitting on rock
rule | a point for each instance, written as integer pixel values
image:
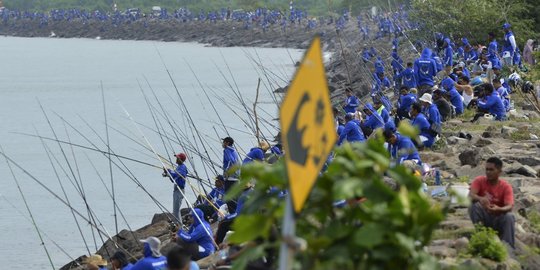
(492, 201)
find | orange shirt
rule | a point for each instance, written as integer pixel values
(500, 194)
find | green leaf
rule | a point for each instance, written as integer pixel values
(369, 236)
(249, 227)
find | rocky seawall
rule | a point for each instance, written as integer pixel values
(220, 34)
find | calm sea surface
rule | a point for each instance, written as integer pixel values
(64, 75)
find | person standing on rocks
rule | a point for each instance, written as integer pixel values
(425, 69)
(230, 160)
(492, 201)
(179, 177)
(351, 102)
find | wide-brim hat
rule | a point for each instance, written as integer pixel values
(96, 260)
(426, 98)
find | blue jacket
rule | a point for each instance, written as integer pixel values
(179, 175)
(432, 114)
(397, 63)
(149, 262)
(374, 120)
(493, 47)
(423, 125)
(198, 234)
(471, 55)
(507, 45)
(351, 133)
(255, 154)
(216, 196)
(409, 78)
(352, 103)
(425, 68)
(404, 149)
(379, 66)
(494, 105)
(406, 101)
(230, 159)
(448, 54)
(438, 61)
(455, 97)
(503, 93)
(239, 204)
(384, 114)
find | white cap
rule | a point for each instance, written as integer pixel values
(153, 243)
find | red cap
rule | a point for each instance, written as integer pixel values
(181, 156)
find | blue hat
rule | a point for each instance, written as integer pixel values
(465, 41)
(506, 25)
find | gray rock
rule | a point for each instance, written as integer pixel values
(470, 157)
(524, 170)
(456, 140)
(508, 131)
(461, 244)
(528, 160)
(441, 251)
(483, 142)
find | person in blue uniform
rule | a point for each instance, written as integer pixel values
(199, 233)
(455, 98)
(425, 69)
(179, 179)
(152, 260)
(352, 132)
(351, 103)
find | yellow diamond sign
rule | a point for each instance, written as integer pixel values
(307, 127)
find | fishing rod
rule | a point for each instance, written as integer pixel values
(130, 175)
(65, 194)
(169, 174)
(110, 195)
(182, 102)
(65, 203)
(209, 101)
(40, 230)
(109, 157)
(81, 187)
(29, 211)
(124, 170)
(159, 133)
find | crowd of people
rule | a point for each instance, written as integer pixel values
(449, 77)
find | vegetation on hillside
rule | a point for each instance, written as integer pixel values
(475, 19)
(387, 229)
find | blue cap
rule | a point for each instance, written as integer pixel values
(506, 25)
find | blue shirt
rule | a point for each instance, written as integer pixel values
(255, 154)
(179, 175)
(230, 159)
(216, 196)
(351, 133)
(494, 105)
(455, 99)
(423, 125)
(151, 263)
(406, 101)
(404, 149)
(425, 68)
(200, 233)
(352, 104)
(409, 78)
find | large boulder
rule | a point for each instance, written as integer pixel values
(470, 157)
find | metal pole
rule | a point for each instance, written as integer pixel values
(286, 254)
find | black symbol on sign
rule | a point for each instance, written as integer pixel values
(297, 151)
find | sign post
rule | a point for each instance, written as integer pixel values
(308, 135)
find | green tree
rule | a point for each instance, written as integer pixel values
(386, 231)
(473, 19)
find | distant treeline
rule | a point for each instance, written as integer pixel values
(314, 7)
